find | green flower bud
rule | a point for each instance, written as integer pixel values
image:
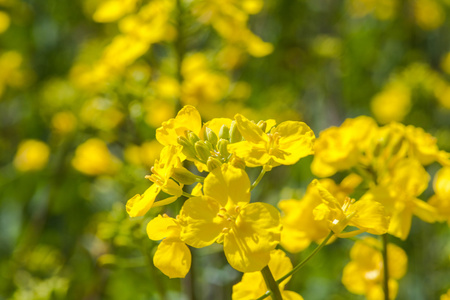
(213, 163)
(222, 147)
(224, 132)
(193, 138)
(188, 148)
(263, 125)
(235, 134)
(184, 176)
(211, 136)
(203, 151)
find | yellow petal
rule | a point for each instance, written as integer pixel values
(228, 185)
(296, 139)
(290, 295)
(250, 131)
(201, 225)
(188, 118)
(173, 258)
(161, 227)
(139, 204)
(425, 211)
(247, 246)
(370, 216)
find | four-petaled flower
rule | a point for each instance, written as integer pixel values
(249, 231)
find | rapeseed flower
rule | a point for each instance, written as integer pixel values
(248, 231)
(252, 284)
(441, 199)
(363, 275)
(172, 257)
(367, 216)
(161, 175)
(32, 155)
(284, 144)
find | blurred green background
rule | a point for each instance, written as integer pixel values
(85, 83)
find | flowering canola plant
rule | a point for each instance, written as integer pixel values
(386, 162)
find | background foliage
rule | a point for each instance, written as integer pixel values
(92, 80)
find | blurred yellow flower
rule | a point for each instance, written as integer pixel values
(249, 231)
(285, 144)
(4, 22)
(429, 14)
(445, 63)
(64, 122)
(252, 285)
(112, 10)
(446, 296)
(363, 275)
(392, 104)
(299, 225)
(398, 191)
(172, 257)
(441, 199)
(366, 215)
(144, 155)
(339, 148)
(31, 155)
(382, 9)
(101, 113)
(93, 158)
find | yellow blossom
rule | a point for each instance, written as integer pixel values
(93, 158)
(366, 215)
(31, 155)
(441, 199)
(284, 144)
(392, 104)
(249, 231)
(363, 275)
(4, 22)
(398, 191)
(446, 296)
(112, 10)
(252, 284)
(161, 175)
(172, 257)
(339, 148)
(299, 224)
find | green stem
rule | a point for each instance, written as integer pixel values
(300, 265)
(385, 267)
(271, 284)
(188, 195)
(260, 176)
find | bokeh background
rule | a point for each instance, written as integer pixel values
(85, 83)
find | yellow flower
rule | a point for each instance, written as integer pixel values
(112, 10)
(285, 144)
(339, 148)
(93, 158)
(423, 146)
(299, 224)
(31, 155)
(363, 275)
(249, 231)
(446, 296)
(398, 191)
(161, 175)
(252, 284)
(441, 199)
(392, 104)
(172, 257)
(187, 119)
(366, 215)
(4, 22)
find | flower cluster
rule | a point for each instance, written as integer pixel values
(391, 161)
(218, 210)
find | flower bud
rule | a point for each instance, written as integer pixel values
(222, 147)
(184, 176)
(203, 151)
(235, 134)
(224, 132)
(193, 138)
(263, 125)
(188, 148)
(213, 163)
(211, 136)
(237, 162)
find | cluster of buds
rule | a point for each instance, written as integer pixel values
(212, 150)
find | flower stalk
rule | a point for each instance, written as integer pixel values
(271, 284)
(385, 267)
